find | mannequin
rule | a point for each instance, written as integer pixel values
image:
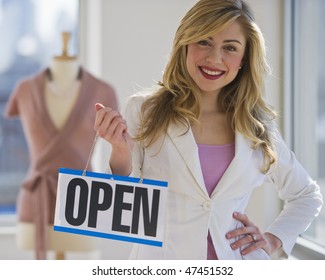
(61, 92)
(62, 88)
(56, 110)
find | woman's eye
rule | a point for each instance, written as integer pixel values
(204, 43)
(230, 48)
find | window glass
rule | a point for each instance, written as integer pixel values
(309, 98)
(30, 33)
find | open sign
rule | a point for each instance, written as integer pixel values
(110, 206)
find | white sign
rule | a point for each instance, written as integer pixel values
(110, 206)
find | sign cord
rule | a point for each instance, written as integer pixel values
(90, 154)
(92, 150)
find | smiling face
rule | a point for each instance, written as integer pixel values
(215, 61)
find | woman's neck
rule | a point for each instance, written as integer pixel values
(209, 103)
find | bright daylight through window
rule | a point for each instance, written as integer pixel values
(30, 34)
(308, 98)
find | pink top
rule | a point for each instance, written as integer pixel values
(214, 162)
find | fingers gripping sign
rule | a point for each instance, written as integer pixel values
(111, 126)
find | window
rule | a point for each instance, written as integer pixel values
(308, 97)
(30, 33)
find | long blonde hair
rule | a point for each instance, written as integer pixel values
(178, 98)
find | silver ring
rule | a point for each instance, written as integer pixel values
(253, 237)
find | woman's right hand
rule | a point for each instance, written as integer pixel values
(111, 126)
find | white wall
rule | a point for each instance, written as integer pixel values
(269, 17)
(137, 40)
(127, 44)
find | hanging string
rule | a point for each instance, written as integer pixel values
(90, 154)
(141, 168)
(92, 150)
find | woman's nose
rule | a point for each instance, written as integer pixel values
(214, 56)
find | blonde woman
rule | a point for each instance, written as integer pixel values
(208, 131)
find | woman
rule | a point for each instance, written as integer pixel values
(209, 133)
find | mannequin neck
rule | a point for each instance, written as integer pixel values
(64, 72)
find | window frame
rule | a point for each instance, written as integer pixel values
(304, 248)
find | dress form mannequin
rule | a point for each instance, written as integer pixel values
(62, 88)
(61, 91)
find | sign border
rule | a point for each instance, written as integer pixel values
(86, 232)
(113, 177)
(108, 236)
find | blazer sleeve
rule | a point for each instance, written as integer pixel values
(131, 112)
(301, 196)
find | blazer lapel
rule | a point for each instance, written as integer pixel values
(187, 148)
(243, 155)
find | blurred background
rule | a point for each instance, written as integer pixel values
(127, 43)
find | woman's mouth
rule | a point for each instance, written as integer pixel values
(211, 74)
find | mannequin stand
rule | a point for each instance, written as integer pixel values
(59, 256)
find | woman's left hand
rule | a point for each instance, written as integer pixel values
(251, 237)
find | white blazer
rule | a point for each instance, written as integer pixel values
(191, 213)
